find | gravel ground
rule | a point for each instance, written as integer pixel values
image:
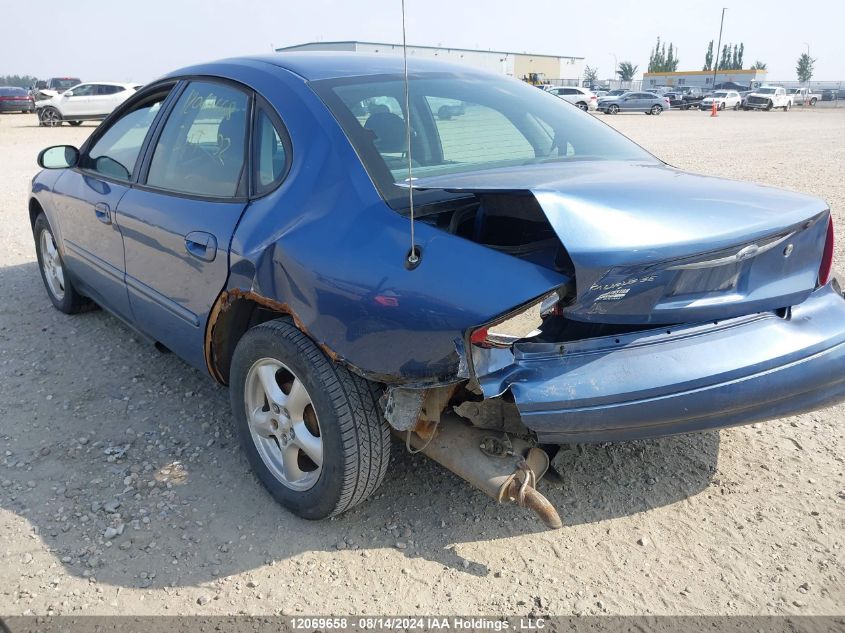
(123, 490)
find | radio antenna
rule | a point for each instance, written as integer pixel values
(413, 256)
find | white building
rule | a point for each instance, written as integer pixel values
(704, 78)
(544, 68)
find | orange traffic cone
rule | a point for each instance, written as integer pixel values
(714, 111)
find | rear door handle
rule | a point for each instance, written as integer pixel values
(103, 213)
(201, 245)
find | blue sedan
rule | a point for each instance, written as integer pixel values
(351, 262)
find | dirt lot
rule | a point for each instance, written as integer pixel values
(98, 430)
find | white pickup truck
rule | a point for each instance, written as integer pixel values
(803, 96)
(768, 97)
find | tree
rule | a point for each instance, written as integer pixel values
(805, 68)
(661, 61)
(591, 75)
(758, 65)
(739, 56)
(708, 58)
(626, 71)
(724, 61)
(21, 81)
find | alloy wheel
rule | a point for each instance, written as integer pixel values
(51, 265)
(50, 117)
(283, 424)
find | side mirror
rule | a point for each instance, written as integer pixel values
(68, 93)
(58, 157)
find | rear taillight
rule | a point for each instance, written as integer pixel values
(523, 323)
(827, 255)
(592, 97)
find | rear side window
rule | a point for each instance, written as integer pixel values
(115, 152)
(271, 154)
(103, 89)
(202, 147)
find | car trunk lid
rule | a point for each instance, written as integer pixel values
(652, 244)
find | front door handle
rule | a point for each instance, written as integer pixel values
(103, 213)
(201, 245)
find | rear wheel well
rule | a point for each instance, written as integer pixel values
(230, 319)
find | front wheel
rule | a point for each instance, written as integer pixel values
(51, 117)
(721, 106)
(312, 430)
(656, 110)
(613, 109)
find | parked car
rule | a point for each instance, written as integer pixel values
(616, 93)
(580, 97)
(634, 102)
(723, 99)
(804, 96)
(84, 102)
(13, 99)
(676, 100)
(563, 285)
(446, 108)
(684, 97)
(768, 97)
(829, 95)
(53, 86)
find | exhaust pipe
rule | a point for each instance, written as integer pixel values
(509, 477)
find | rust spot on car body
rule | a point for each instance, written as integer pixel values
(213, 337)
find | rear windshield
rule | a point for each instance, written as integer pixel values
(767, 91)
(10, 91)
(462, 124)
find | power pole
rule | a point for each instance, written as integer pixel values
(719, 47)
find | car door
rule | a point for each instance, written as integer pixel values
(86, 198)
(102, 100)
(628, 102)
(177, 224)
(76, 101)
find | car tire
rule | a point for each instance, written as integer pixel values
(613, 109)
(656, 110)
(334, 410)
(75, 123)
(721, 106)
(583, 106)
(57, 282)
(736, 107)
(813, 102)
(50, 117)
(444, 113)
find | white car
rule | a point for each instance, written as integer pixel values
(768, 98)
(83, 102)
(580, 97)
(723, 98)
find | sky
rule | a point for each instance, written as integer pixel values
(120, 40)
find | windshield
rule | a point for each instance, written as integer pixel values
(720, 94)
(463, 124)
(767, 91)
(616, 93)
(64, 84)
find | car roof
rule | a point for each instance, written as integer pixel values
(317, 65)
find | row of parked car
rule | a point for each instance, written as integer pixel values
(689, 97)
(66, 99)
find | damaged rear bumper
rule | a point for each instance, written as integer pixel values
(678, 380)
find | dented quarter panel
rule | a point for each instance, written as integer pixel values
(327, 246)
